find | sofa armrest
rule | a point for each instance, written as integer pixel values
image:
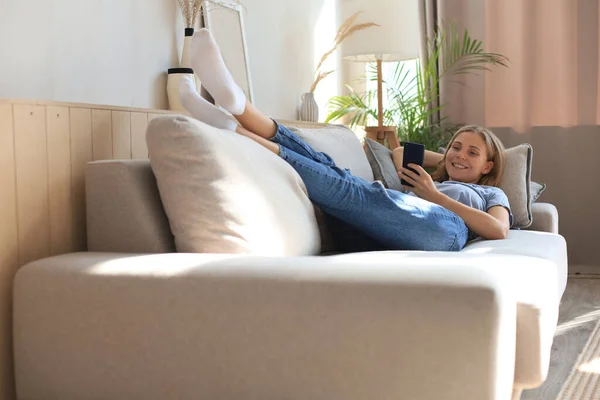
(369, 326)
(545, 218)
(124, 210)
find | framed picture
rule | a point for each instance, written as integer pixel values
(226, 22)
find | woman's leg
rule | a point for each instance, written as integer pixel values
(214, 75)
(269, 145)
(396, 220)
(206, 112)
(209, 66)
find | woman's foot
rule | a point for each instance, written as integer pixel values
(201, 109)
(213, 73)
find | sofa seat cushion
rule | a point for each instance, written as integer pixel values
(225, 193)
(533, 283)
(435, 317)
(537, 299)
(549, 246)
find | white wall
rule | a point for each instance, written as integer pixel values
(92, 51)
(117, 52)
(285, 40)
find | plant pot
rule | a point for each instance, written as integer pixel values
(173, 79)
(309, 110)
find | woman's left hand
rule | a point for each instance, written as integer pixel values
(423, 185)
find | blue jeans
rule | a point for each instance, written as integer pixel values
(396, 220)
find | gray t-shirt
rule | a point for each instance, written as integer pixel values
(477, 196)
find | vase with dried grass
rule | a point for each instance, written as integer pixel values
(191, 10)
(309, 109)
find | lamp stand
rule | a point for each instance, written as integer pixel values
(380, 133)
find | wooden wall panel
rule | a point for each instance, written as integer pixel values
(139, 124)
(102, 141)
(44, 150)
(31, 156)
(59, 179)
(8, 246)
(121, 135)
(8, 195)
(81, 154)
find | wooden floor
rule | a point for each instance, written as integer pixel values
(579, 314)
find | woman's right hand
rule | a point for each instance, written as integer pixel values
(423, 185)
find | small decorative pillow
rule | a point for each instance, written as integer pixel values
(536, 190)
(516, 183)
(382, 164)
(224, 193)
(341, 144)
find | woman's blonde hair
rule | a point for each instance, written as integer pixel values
(494, 150)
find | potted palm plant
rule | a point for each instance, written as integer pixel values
(413, 98)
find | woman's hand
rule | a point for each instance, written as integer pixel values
(423, 185)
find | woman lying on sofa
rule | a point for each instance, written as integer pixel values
(441, 216)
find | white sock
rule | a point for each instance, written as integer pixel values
(213, 73)
(200, 108)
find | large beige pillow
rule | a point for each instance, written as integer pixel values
(224, 193)
(341, 144)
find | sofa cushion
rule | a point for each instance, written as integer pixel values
(382, 164)
(528, 243)
(516, 183)
(536, 191)
(341, 144)
(537, 301)
(532, 281)
(124, 211)
(224, 193)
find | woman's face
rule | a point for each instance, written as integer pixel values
(467, 158)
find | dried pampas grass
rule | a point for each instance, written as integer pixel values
(319, 78)
(191, 9)
(348, 28)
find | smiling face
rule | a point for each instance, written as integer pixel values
(467, 158)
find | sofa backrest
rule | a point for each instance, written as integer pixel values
(124, 210)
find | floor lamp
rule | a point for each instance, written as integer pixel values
(396, 39)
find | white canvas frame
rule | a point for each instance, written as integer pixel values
(226, 21)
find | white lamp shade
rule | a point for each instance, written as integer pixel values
(397, 37)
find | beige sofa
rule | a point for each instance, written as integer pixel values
(132, 319)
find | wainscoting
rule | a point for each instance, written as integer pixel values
(44, 148)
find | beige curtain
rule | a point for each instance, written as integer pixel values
(540, 88)
(553, 77)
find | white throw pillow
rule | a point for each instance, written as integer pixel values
(341, 144)
(224, 193)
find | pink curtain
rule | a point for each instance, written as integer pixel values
(540, 88)
(553, 78)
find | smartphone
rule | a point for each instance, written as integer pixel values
(414, 153)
